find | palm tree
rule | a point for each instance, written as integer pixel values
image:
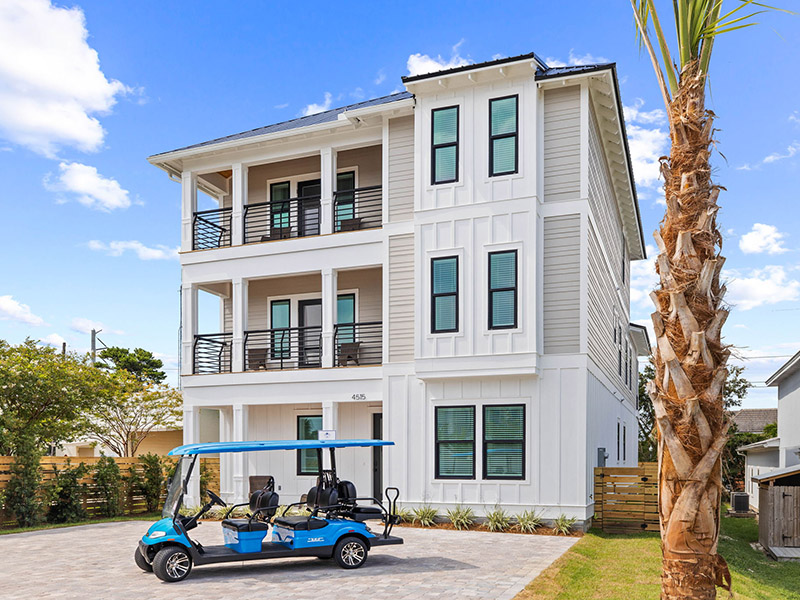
(690, 358)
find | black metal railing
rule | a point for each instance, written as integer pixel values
(211, 229)
(281, 219)
(357, 209)
(212, 353)
(283, 348)
(358, 344)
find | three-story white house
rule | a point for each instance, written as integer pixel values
(446, 267)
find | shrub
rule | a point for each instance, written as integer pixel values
(65, 494)
(205, 477)
(406, 514)
(21, 494)
(424, 515)
(108, 481)
(528, 521)
(152, 480)
(461, 516)
(497, 520)
(563, 524)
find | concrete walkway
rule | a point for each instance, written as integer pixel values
(96, 561)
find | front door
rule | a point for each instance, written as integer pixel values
(310, 342)
(377, 457)
(308, 209)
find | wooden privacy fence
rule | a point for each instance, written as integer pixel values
(132, 501)
(779, 519)
(626, 498)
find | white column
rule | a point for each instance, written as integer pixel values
(238, 202)
(225, 459)
(329, 292)
(188, 326)
(330, 414)
(191, 435)
(188, 208)
(239, 301)
(240, 480)
(328, 181)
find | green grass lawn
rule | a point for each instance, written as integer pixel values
(605, 567)
(139, 517)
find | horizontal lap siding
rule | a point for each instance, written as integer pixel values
(602, 301)
(401, 298)
(401, 169)
(562, 144)
(562, 284)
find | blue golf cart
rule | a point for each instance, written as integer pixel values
(331, 523)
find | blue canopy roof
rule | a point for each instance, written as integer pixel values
(257, 446)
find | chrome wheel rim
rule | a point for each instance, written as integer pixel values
(177, 565)
(353, 554)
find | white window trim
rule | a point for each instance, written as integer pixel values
(294, 180)
(294, 302)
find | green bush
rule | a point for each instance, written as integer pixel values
(108, 482)
(21, 494)
(205, 477)
(528, 521)
(424, 515)
(497, 519)
(406, 514)
(563, 524)
(65, 495)
(461, 516)
(152, 480)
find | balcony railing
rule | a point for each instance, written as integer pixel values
(281, 219)
(283, 348)
(358, 344)
(211, 229)
(357, 209)
(212, 353)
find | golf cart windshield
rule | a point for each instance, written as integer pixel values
(177, 487)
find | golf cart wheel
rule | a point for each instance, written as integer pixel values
(172, 563)
(141, 562)
(350, 553)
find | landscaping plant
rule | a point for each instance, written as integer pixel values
(528, 521)
(108, 482)
(152, 480)
(563, 524)
(461, 516)
(65, 494)
(690, 358)
(497, 520)
(406, 514)
(425, 515)
(21, 494)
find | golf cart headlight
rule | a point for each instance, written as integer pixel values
(158, 534)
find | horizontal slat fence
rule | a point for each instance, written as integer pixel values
(626, 498)
(131, 503)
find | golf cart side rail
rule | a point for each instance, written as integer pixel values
(266, 445)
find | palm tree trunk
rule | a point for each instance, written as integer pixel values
(690, 357)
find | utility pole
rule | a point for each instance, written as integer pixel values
(94, 346)
(63, 349)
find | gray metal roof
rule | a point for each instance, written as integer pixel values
(570, 70)
(315, 119)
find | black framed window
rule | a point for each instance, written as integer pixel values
(444, 294)
(307, 428)
(345, 202)
(504, 442)
(503, 139)
(444, 145)
(455, 442)
(624, 442)
(346, 318)
(617, 441)
(279, 205)
(280, 346)
(624, 261)
(503, 289)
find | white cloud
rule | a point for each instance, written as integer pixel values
(576, 60)
(644, 278)
(763, 238)
(635, 114)
(795, 117)
(647, 145)
(52, 85)
(380, 77)
(313, 108)
(117, 248)
(89, 187)
(13, 310)
(768, 285)
(419, 64)
(281, 106)
(793, 149)
(83, 325)
(54, 340)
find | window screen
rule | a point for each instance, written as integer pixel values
(307, 428)
(503, 290)
(444, 298)
(503, 136)
(444, 148)
(455, 442)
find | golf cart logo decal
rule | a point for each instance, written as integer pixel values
(316, 539)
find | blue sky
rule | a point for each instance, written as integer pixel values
(88, 90)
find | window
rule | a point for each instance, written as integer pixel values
(624, 442)
(444, 145)
(279, 205)
(624, 262)
(307, 428)
(504, 442)
(455, 442)
(627, 363)
(617, 441)
(345, 202)
(280, 346)
(618, 337)
(503, 290)
(503, 136)
(345, 318)
(444, 296)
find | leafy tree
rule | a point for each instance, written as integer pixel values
(139, 363)
(21, 494)
(66, 491)
(770, 430)
(153, 480)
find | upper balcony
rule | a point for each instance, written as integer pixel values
(334, 192)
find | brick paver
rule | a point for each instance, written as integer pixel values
(96, 561)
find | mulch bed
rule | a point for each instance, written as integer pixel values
(478, 527)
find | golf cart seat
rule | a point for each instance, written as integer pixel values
(347, 496)
(300, 522)
(262, 503)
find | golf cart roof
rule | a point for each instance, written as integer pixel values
(257, 446)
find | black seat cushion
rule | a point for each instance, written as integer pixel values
(245, 524)
(364, 513)
(311, 497)
(266, 503)
(347, 491)
(328, 497)
(300, 523)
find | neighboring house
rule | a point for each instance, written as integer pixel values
(446, 267)
(754, 420)
(782, 451)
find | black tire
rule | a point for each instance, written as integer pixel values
(141, 562)
(350, 552)
(172, 564)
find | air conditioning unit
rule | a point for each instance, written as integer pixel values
(741, 502)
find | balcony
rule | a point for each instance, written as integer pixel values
(358, 209)
(283, 348)
(358, 344)
(211, 229)
(212, 353)
(282, 219)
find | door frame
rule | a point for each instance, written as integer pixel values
(377, 456)
(301, 342)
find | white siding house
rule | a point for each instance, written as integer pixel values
(446, 268)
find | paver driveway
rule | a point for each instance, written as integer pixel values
(96, 561)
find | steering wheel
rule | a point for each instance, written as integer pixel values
(216, 499)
